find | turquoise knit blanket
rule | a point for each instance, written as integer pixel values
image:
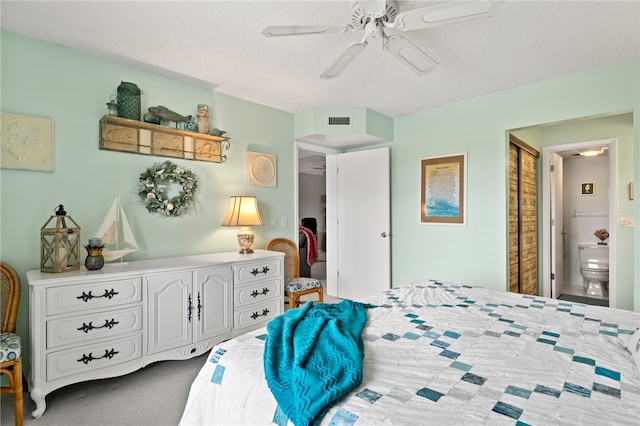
(313, 357)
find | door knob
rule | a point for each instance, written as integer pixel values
(383, 235)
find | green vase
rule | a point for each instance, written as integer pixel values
(94, 263)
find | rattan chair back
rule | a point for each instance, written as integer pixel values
(10, 298)
(291, 256)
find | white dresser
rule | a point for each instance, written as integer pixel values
(87, 325)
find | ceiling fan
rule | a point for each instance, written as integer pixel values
(378, 17)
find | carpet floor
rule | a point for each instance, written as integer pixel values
(154, 395)
(583, 299)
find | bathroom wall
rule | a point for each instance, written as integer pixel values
(583, 214)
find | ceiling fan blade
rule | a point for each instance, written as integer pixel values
(445, 13)
(345, 58)
(410, 55)
(295, 30)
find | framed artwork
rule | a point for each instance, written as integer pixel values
(26, 142)
(261, 169)
(443, 189)
(588, 188)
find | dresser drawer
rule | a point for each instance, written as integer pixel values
(93, 357)
(254, 271)
(256, 292)
(89, 326)
(77, 297)
(257, 316)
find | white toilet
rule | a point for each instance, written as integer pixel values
(594, 268)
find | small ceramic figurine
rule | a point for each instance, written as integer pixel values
(203, 118)
(216, 132)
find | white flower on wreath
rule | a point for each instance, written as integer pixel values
(151, 196)
(170, 206)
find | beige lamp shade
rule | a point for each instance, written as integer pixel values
(243, 211)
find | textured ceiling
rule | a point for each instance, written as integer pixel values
(218, 44)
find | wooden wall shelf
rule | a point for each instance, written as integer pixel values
(139, 137)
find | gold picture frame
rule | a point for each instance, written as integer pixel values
(443, 189)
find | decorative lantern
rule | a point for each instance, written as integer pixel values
(60, 245)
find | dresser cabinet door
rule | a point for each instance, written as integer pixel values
(170, 307)
(212, 311)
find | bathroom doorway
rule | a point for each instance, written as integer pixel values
(578, 198)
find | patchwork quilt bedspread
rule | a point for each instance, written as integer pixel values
(443, 353)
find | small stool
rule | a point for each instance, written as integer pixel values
(296, 287)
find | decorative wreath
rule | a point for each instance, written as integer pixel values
(153, 186)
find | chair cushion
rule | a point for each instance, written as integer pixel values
(293, 285)
(10, 347)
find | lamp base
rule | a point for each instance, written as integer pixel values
(245, 239)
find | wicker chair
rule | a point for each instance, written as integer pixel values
(10, 343)
(295, 286)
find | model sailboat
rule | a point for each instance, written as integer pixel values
(116, 234)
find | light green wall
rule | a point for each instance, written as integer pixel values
(72, 88)
(477, 252)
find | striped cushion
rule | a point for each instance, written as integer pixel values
(10, 346)
(293, 285)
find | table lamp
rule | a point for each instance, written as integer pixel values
(243, 211)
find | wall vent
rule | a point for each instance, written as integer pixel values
(339, 121)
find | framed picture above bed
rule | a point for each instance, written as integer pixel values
(443, 189)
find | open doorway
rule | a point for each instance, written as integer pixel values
(311, 190)
(578, 199)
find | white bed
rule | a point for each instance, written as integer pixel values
(446, 353)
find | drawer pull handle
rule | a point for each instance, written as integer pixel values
(256, 315)
(107, 324)
(255, 271)
(88, 296)
(256, 293)
(107, 354)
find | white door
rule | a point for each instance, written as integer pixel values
(557, 227)
(358, 223)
